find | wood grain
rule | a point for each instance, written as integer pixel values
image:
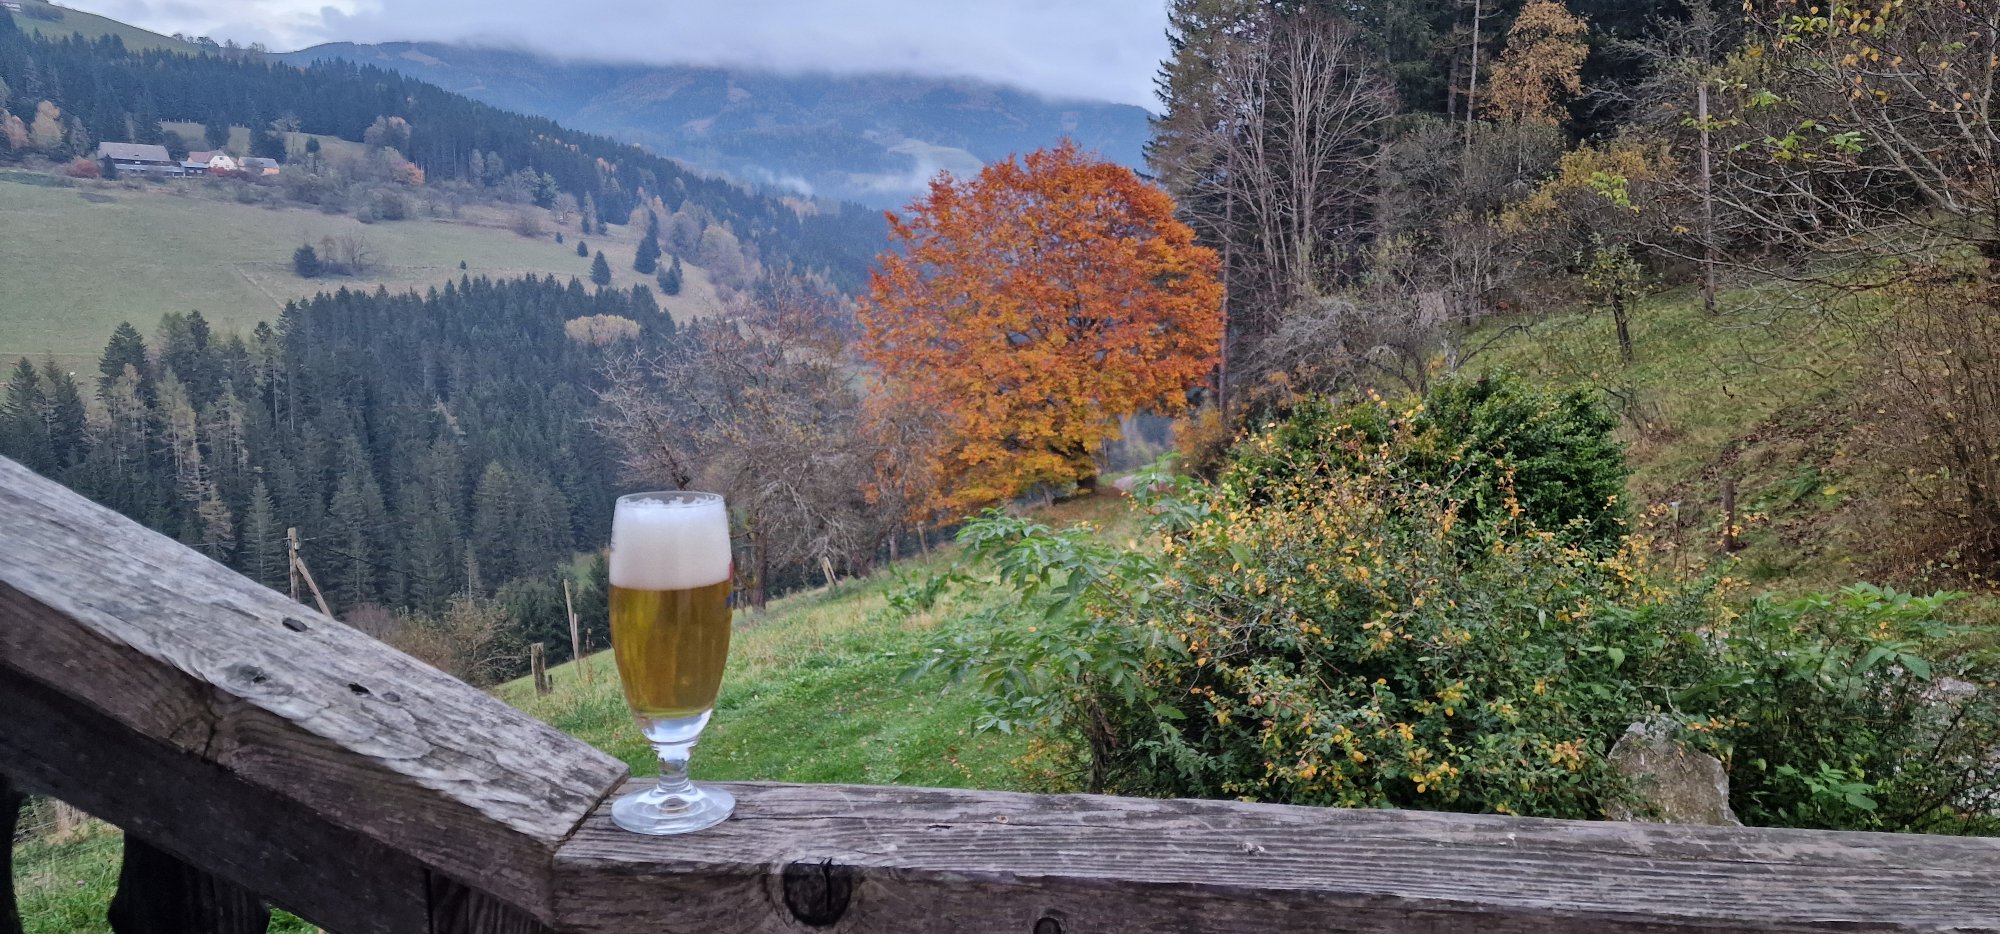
(180, 650)
(966, 862)
(299, 860)
(160, 894)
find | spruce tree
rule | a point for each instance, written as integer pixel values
(216, 132)
(305, 262)
(262, 557)
(670, 279)
(67, 428)
(647, 259)
(600, 271)
(582, 249)
(125, 349)
(24, 434)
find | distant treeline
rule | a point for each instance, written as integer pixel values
(424, 445)
(113, 93)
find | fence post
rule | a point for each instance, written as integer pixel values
(539, 662)
(575, 642)
(11, 800)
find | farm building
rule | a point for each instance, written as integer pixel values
(139, 158)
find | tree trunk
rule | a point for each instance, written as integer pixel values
(1707, 206)
(1620, 317)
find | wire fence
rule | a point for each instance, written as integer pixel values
(48, 820)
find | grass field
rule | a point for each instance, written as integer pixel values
(75, 261)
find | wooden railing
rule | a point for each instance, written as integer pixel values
(257, 752)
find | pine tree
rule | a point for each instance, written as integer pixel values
(262, 557)
(600, 271)
(305, 262)
(24, 434)
(670, 278)
(216, 132)
(647, 259)
(582, 249)
(67, 429)
(126, 349)
(495, 518)
(358, 519)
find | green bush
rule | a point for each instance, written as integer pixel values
(1330, 624)
(1857, 710)
(1497, 443)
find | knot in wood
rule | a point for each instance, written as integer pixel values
(1048, 925)
(817, 893)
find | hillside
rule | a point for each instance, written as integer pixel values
(874, 138)
(105, 91)
(54, 22)
(185, 248)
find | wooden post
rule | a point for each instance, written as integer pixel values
(11, 800)
(826, 567)
(292, 561)
(575, 641)
(299, 571)
(538, 661)
(159, 893)
(1728, 515)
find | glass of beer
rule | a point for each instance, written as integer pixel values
(670, 571)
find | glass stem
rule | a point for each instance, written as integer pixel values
(674, 770)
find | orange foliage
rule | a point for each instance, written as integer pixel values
(1030, 307)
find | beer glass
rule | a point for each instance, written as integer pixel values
(670, 571)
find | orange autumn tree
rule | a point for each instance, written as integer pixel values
(1031, 306)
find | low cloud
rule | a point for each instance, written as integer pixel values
(1089, 49)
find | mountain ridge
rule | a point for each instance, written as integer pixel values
(874, 138)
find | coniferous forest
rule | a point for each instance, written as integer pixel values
(424, 446)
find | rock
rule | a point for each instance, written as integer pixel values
(1672, 784)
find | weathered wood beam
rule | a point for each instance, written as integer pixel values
(885, 860)
(283, 717)
(159, 894)
(299, 860)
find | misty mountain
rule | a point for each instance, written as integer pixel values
(873, 138)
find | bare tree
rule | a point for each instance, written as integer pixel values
(762, 406)
(1293, 128)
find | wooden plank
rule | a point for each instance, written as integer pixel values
(11, 802)
(883, 860)
(159, 894)
(174, 647)
(208, 816)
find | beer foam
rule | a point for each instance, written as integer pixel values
(669, 545)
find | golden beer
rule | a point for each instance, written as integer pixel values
(671, 646)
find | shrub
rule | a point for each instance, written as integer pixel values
(1330, 624)
(1495, 442)
(1859, 710)
(1331, 641)
(305, 262)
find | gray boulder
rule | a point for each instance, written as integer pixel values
(1672, 783)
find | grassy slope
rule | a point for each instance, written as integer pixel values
(72, 267)
(93, 26)
(1778, 404)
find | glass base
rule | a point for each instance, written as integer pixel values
(661, 813)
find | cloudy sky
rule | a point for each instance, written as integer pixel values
(1099, 49)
